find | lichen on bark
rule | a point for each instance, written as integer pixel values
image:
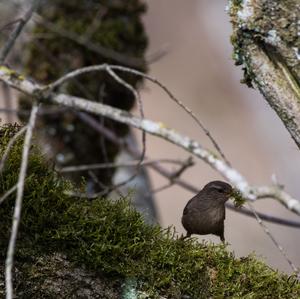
(266, 42)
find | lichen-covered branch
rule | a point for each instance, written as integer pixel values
(266, 42)
(37, 91)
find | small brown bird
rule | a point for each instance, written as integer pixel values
(205, 213)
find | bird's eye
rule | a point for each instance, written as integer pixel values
(219, 189)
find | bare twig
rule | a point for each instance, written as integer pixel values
(7, 193)
(14, 35)
(157, 55)
(9, 146)
(96, 23)
(132, 163)
(175, 175)
(102, 122)
(7, 25)
(270, 235)
(18, 204)
(106, 189)
(187, 163)
(162, 188)
(140, 107)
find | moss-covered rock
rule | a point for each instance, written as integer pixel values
(110, 240)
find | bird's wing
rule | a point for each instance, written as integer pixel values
(185, 210)
(194, 203)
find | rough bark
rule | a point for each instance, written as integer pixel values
(266, 42)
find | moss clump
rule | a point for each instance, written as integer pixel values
(238, 199)
(110, 238)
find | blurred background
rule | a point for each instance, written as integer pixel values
(199, 70)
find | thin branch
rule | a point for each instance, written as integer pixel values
(162, 188)
(96, 23)
(140, 107)
(9, 146)
(4, 27)
(185, 165)
(132, 163)
(106, 189)
(14, 35)
(175, 175)
(270, 235)
(8, 193)
(18, 205)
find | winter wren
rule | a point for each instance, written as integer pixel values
(205, 212)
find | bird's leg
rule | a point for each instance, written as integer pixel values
(220, 233)
(186, 236)
(222, 238)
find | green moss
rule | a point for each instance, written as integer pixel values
(110, 238)
(238, 198)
